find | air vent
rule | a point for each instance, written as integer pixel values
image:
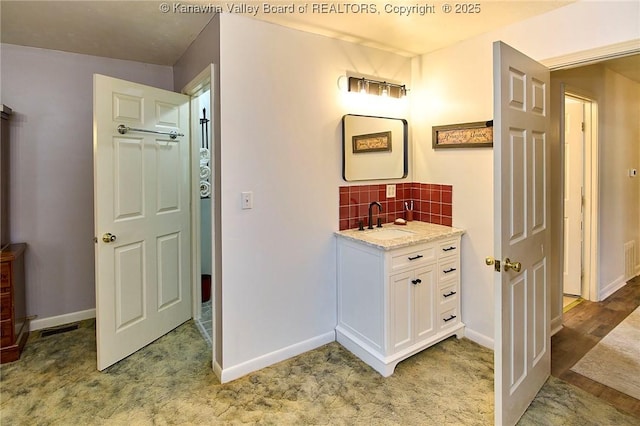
(57, 330)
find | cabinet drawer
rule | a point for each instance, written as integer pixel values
(448, 292)
(448, 248)
(5, 306)
(5, 277)
(449, 317)
(413, 256)
(6, 333)
(449, 269)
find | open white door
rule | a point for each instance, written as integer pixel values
(521, 155)
(573, 195)
(142, 217)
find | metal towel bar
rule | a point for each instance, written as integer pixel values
(122, 129)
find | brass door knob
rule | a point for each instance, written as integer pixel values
(516, 266)
(108, 238)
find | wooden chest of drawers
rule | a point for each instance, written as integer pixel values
(14, 325)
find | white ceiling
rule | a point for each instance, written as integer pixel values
(133, 30)
(414, 34)
(140, 31)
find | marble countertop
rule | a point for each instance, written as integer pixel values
(412, 233)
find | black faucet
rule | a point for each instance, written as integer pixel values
(375, 203)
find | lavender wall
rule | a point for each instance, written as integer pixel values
(51, 171)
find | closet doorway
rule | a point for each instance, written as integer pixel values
(203, 203)
(580, 196)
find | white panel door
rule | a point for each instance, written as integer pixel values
(141, 202)
(521, 155)
(573, 178)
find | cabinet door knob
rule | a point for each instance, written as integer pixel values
(416, 281)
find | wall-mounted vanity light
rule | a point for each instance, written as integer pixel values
(375, 87)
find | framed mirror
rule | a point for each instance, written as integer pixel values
(374, 148)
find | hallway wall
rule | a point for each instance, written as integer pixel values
(618, 101)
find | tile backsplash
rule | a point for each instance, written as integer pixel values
(431, 203)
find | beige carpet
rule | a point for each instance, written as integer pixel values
(615, 360)
(170, 382)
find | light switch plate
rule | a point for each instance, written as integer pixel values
(247, 200)
(391, 191)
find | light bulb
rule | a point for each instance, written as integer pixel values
(364, 86)
(385, 89)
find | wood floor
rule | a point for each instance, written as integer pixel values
(584, 326)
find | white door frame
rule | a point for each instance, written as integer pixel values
(195, 87)
(591, 205)
(573, 140)
(590, 290)
(207, 79)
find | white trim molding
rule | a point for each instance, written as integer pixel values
(237, 371)
(592, 56)
(479, 338)
(611, 288)
(556, 324)
(217, 370)
(39, 324)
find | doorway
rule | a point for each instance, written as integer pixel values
(580, 197)
(202, 104)
(574, 140)
(203, 211)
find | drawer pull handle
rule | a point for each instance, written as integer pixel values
(415, 257)
(449, 270)
(449, 294)
(417, 281)
(452, 317)
(449, 248)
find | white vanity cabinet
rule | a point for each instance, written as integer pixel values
(396, 301)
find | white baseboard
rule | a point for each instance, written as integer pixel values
(237, 371)
(611, 288)
(40, 323)
(479, 338)
(556, 324)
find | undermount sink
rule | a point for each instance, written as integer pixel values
(389, 234)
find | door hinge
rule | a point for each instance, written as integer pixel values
(582, 126)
